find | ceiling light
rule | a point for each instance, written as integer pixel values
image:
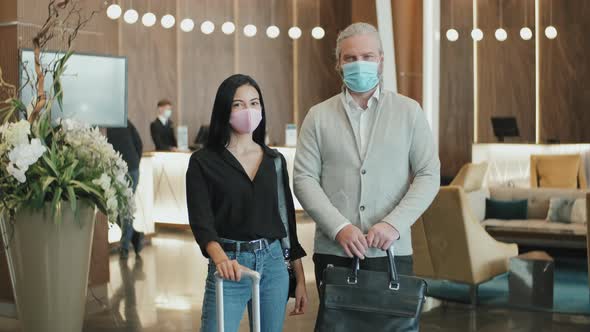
(273, 31)
(148, 19)
(295, 33)
(250, 30)
(131, 16)
(168, 21)
(452, 35)
(228, 28)
(207, 27)
(501, 34)
(318, 33)
(114, 11)
(477, 34)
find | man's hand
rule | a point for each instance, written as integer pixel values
(382, 236)
(352, 241)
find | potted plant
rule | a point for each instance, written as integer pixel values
(53, 178)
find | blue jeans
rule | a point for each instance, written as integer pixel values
(274, 288)
(127, 225)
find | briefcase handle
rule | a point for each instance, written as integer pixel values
(393, 277)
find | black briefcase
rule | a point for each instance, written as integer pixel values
(360, 300)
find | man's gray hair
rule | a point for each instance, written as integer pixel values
(354, 30)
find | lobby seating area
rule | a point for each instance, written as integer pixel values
(479, 259)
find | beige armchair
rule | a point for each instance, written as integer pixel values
(558, 171)
(450, 244)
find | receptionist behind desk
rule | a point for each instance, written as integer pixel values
(162, 129)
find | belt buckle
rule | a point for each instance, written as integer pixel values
(257, 244)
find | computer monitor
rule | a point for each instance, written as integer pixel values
(505, 127)
(94, 87)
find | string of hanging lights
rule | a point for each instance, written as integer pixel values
(167, 21)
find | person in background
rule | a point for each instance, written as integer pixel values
(366, 165)
(162, 129)
(127, 142)
(233, 208)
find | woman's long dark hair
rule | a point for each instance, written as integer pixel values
(219, 128)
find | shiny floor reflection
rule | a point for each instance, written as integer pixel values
(164, 290)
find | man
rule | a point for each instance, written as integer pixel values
(162, 130)
(127, 142)
(366, 166)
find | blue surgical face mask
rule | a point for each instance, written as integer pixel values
(168, 113)
(361, 76)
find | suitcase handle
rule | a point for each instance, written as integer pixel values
(255, 277)
(393, 277)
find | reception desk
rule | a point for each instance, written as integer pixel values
(509, 164)
(161, 191)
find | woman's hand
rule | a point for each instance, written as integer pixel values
(300, 299)
(300, 290)
(229, 269)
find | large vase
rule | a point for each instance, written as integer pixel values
(49, 264)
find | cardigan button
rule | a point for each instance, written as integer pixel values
(364, 171)
(362, 208)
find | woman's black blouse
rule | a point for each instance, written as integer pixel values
(224, 203)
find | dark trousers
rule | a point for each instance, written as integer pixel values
(128, 234)
(404, 265)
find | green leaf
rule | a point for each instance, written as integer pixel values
(55, 205)
(68, 174)
(49, 161)
(86, 188)
(58, 92)
(72, 198)
(48, 181)
(38, 198)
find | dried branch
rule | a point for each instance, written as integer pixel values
(7, 90)
(55, 23)
(60, 14)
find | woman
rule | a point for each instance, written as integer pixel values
(233, 210)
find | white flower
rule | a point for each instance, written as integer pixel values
(104, 182)
(23, 156)
(18, 174)
(92, 148)
(71, 125)
(16, 133)
(121, 178)
(112, 203)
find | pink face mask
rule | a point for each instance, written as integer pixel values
(246, 120)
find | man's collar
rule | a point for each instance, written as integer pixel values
(163, 120)
(351, 102)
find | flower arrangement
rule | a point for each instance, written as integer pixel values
(68, 162)
(45, 162)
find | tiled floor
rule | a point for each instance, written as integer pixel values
(163, 293)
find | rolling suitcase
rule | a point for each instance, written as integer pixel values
(246, 273)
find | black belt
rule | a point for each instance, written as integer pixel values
(251, 246)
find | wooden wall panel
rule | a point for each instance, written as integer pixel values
(407, 32)
(317, 78)
(565, 69)
(204, 61)
(9, 54)
(456, 88)
(269, 61)
(506, 70)
(152, 72)
(8, 11)
(364, 11)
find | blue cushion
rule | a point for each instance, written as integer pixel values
(496, 209)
